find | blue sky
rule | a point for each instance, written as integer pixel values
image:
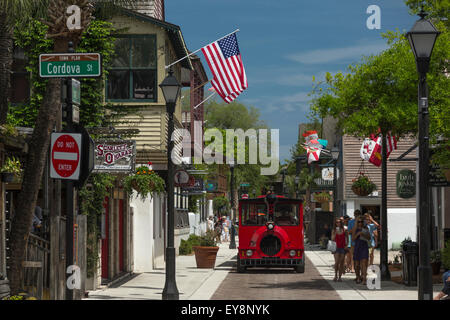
(285, 43)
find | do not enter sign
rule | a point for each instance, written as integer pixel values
(65, 156)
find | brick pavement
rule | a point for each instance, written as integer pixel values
(275, 284)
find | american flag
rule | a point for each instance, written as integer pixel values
(391, 143)
(225, 62)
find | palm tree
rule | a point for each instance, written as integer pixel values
(45, 122)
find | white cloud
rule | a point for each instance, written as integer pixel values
(337, 54)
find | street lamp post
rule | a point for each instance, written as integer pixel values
(422, 38)
(233, 214)
(335, 156)
(171, 90)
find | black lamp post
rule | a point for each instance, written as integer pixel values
(233, 214)
(422, 38)
(171, 90)
(335, 156)
(296, 181)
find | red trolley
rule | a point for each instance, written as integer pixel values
(271, 233)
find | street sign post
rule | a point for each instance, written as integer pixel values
(64, 65)
(65, 156)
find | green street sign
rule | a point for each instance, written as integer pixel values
(406, 184)
(61, 65)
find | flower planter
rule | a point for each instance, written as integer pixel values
(436, 267)
(205, 257)
(7, 177)
(136, 186)
(395, 267)
(360, 191)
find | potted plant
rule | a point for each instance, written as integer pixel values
(435, 261)
(11, 170)
(206, 251)
(363, 186)
(145, 181)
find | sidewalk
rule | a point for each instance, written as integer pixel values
(323, 260)
(192, 283)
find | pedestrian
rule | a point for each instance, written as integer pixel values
(339, 235)
(445, 292)
(351, 242)
(325, 236)
(373, 227)
(211, 222)
(348, 255)
(361, 237)
(218, 230)
(225, 230)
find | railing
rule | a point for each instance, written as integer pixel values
(36, 275)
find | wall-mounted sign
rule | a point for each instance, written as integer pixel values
(181, 178)
(115, 156)
(196, 187)
(211, 185)
(328, 173)
(406, 184)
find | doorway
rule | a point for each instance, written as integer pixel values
(374, 209)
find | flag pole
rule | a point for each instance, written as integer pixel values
(205, 100)
(190, 54)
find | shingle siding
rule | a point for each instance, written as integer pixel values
(352, 163)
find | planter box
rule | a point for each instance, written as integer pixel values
(436, 267)
(7, 177)
(395, 267)
(205, 256)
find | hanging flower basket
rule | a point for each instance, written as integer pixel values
(363, 186)
(145, 181)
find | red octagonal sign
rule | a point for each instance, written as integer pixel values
(65, 156)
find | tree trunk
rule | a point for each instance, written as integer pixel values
(6, 58)
(34, 168)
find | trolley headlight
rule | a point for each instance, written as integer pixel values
(292, 253)
(249, 253)
(270, 226)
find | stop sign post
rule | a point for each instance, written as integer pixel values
(65, 156)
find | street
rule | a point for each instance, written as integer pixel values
(224, 283)
(276, 284)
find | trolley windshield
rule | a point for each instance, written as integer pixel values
(257, 214)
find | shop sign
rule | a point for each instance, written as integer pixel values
(115, 156)
(406, 184)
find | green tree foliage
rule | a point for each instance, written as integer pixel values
(238, 116)
(381, 91)
(92, 196)
(232, 116)
(98, 37)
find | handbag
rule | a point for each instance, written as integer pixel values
(331, 246)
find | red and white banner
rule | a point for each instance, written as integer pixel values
(371, 149)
